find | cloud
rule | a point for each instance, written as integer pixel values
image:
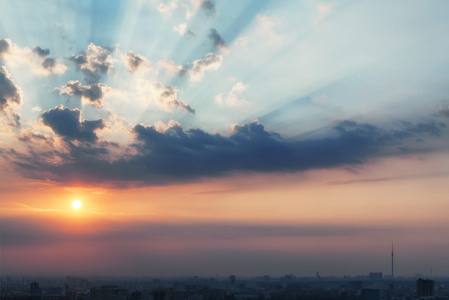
(4, 47)
(266, 31)
(136, 62)
(92, 94)
(208, 6)
(442, 112)
(180, 28)
(162, 8)
(196, 70)
(29, 136)
(408, 129)
(216, 39)
(162, 127)
(233, 98)
(67, 123)
(10, 98)
(324, 8)
(189, 13)
(166, 153)
(170, 67)
(10, 93)
(41, 52)
(93, 62)
(166, 96)
(37, 58)
(51, 66)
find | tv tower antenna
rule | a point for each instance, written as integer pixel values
(392, 261)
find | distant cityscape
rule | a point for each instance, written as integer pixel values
(374, 286)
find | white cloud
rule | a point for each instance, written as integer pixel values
(233, 99)
(189, 13)
(163, 127)
(169, 66)
(181, 29)
(266, 30)
(210, 62)
(166, 8)
(324, 9)
(195, 70)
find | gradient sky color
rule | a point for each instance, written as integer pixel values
(224, 137)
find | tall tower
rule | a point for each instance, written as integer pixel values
(392, 261)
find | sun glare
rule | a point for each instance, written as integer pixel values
(76, 204)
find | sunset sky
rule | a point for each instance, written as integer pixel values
(209, 137)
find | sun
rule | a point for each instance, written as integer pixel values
(76, 204)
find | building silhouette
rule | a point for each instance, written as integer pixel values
(425, 287)
(375, 276)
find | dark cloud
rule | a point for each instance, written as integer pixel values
(67, 123)
(41, 52)
(9, 92)
(171, 154)
(409, 130)
(49, 63)
(93, 93)
(4, 46)
(216, 39)
(93, 62)
(134, 61)
(208, 6)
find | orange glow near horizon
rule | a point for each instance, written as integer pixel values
(310, 214)
(325, 196)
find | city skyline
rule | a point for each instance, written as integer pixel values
(203, 137)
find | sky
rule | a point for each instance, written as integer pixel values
(212, 137)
